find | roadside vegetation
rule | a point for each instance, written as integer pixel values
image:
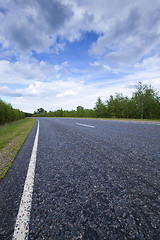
(12, 136)
(9, 114)
(144, 104)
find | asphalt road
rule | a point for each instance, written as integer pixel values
(94, 179)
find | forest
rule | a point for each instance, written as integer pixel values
(144, 104)
(9, 114)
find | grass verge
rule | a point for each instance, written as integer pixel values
(130, 119)
(12, 136)
(115, 119)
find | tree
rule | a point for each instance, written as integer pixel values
(41, 110)
(147, 101)
(100, 108)
(144, 103)
(8, 114)
(80, 111)
(118, 106)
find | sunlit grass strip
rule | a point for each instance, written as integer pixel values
(12, 136)
(129, 119)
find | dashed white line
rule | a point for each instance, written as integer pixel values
(21, 229)
(84, 125)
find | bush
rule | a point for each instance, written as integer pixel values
(9, 114)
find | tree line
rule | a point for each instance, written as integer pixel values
(9, 114)
(144, 104)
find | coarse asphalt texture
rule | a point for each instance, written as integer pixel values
(99, 182)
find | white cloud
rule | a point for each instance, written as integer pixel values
(27, 71)
(97, 66)
(69, 92)
(133, 33)
(129, 23)
(147, 71)
(33, 24)
(6, 91)
(129, 32)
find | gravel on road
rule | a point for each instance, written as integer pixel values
(94, 183)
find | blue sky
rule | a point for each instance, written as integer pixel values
(65, 53)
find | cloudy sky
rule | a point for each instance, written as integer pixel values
(65, 53)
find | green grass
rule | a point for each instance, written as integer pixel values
(130, 119)
(12, 136)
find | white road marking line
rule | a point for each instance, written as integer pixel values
(21, 229)
(84, 125)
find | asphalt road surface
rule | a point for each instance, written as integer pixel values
(94, 179)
